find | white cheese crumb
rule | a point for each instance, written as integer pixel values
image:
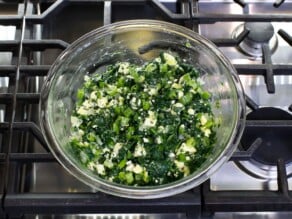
(201, 81)
(137, 169)
(139, 151)
(130, 166)
(191, 111)
(180, 94)
(133, 103)
(102, 102)
(86, 78)
(182, 168)
(203, 119)
(169, 59)
(90, 166)
(93, 95)
(124, 68)
(180, 165)
(158, 140)
(75, 121)
(108, 163)
(113, 102)
(176, 86)
(153, 91)
(116, 149)
(206, 131)
(184, 148)
(179, 105)
(121, 100)
(171, 155)
(100, 169)
(158, 60)
(150, 121)
(85, 112)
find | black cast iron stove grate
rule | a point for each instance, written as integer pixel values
(17, 156)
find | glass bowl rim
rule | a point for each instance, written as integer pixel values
(165, 190)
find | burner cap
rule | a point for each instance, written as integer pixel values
(276, 142)
(259, 34)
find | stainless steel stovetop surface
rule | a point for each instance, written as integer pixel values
(230, 176)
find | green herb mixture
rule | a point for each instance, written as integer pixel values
(143, 125)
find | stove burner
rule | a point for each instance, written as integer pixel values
(276, 143)
(259, 34)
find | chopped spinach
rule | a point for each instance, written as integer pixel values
(143, 125)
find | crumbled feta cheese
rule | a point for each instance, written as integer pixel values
(150, 121)
(158, 60)
(201, 81)
(102, 102)
(85, 112)
(85, 144)
(203, 119)
(191, 111)
(116, 149)
(162, 129)
(139, 151)
(121, 100)
(153, 91)
(130, 166)
(104, 150)
(176, 86)
(134, 103)
(108, 163)
(90, 166)
(182, 167)
(80, 132)
(146, 140)
(87, 104)
(185, 148)
(86, 78)
(193, 91)
(171, 155)
(75, 121)
(180, 94)
(124, 68)
(178, 105)
(137, 169)
(158, 140)
(100, 169)
(113, 102)
(206, 131)
(169, 59)
(93, 95)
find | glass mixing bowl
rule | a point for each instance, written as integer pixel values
(139, 41)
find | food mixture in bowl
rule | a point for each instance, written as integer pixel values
(132, 109)
(143, 125)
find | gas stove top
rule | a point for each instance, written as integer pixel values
(255, 35)
(269, 99)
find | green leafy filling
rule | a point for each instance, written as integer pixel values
(143, 125)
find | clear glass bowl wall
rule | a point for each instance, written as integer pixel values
(139, 41)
